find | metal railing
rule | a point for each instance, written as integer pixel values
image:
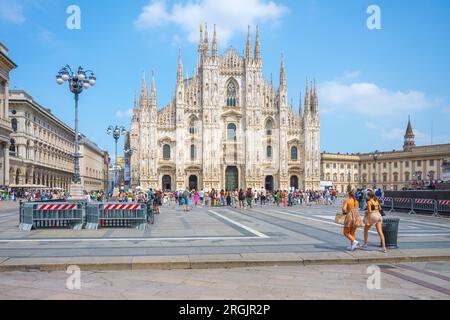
(413, 206)
(118, 214)
(76, 215)
(51, 215)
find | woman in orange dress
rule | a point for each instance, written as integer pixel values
(352, 219)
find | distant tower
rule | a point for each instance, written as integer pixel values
(409, 137)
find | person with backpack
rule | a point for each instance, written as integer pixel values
(249, 197)
(213, 197)
(263, 194)
(202, 197)
(222, 198)
(186, 195)
(241, 196)
(228, 197)
(157, 202)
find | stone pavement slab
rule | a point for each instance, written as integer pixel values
(161, 262)
(207, 261)
(230, 238)
(258, 283)
(318, 258)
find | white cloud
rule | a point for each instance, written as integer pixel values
(397, 134)
(124, 114)
(12, 11)
(393, 134)
(349, 75)
(230, 16)
(369, 99)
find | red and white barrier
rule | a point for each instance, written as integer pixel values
(424, 201)
(54, 207)
(121, 207)
(402, 200)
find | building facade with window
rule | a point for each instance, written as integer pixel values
(6, 65)
(42, 147)
(411, 167)
(227, 127)
(92, 165)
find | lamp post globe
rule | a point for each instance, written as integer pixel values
(76, 82)
(116, 131)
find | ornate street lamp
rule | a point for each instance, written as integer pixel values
(78, 81)
(116, 132)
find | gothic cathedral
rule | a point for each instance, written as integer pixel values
(226, 128)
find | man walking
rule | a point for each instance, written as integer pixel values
(263, 196)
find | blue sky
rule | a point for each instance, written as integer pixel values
(369, 80)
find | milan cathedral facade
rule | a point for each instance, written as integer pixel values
(226, 128)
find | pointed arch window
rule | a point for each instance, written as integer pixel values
(231, 132)
(166, 152)
(232, 100)
(269, 152)
(192, 126)
(269, 127)
(294, 153)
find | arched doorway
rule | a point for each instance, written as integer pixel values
(193, 183)
(167, 183)
(269, 183)
(294, 182)
(231, 178)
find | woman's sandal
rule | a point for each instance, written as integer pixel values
(383, 250)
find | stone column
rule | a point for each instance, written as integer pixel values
(438, 169)
(6, 163)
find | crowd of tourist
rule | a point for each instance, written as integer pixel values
(244, 198)
(33, 195)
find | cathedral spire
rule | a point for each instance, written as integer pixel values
(409, 137)
(200, 47)
(315, 104)
(257, 56)
(144, 93)
(153, 101)
(300, 111)
(282, 73)
(136, 108)
(136, 103)
(215, 51)
(307, 98)
(248, 51)
(206, 43)
(180, 68)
